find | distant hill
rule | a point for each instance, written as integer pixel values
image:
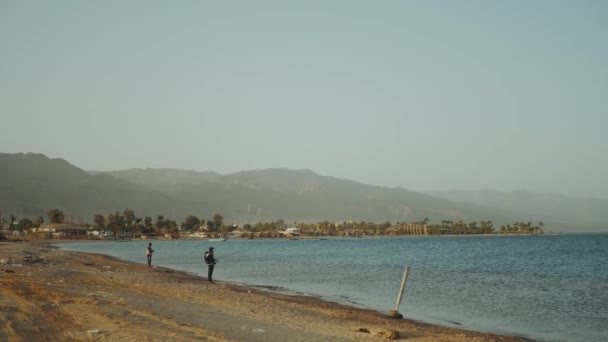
(163, 180)
(297, 195)
(563, 213)
(31, 184)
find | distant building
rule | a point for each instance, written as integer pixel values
(70, 232)
(291, 231)
(197, 235)
(239, 233)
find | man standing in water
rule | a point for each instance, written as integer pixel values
(149, 252)
(210, 261)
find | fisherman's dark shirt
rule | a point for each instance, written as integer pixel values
(209, 258)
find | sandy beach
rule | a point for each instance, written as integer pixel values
(52, 295)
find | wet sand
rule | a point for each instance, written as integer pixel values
(47, 294)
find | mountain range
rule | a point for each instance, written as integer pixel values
(31, 184)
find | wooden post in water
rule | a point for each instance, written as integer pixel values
(395, 313)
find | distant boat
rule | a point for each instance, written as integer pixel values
(219, 239)
(322, 239)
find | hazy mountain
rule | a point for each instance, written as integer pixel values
(299, 195)
(164, 180)
(31, 184)
(560, 211)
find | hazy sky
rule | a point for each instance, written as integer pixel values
(420, 94)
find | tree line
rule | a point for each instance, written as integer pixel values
(126, 223)
(423, 227)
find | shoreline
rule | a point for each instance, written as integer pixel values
(65, 295)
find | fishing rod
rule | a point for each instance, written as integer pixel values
(231, 254)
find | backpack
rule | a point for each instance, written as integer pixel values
(207, 258)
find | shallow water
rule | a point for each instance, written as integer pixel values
(553, 288)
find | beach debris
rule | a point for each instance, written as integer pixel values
(8, 261)
(258, 330)
(32, 259)
(389, 334)
(394, 314)
(94, 331)
(7, 271)
(244, 327)
(363, 330)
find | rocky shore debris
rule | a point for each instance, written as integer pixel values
(389, 334)
(32, 259)
(7, 261)
(394, 314)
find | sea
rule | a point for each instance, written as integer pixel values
(548, 288)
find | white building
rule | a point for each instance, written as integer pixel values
(292, 231)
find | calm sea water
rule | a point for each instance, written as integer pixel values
(552, 288)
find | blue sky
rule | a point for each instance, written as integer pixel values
(428, 95)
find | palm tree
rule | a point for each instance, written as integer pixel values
(115, 223)
(55, 216)
(129, 218)
(473, 229)
(100, 221)
(218, 221)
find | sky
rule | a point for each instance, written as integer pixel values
(426, 95)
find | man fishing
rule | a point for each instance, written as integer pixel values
(210, 261)
(149, 252)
